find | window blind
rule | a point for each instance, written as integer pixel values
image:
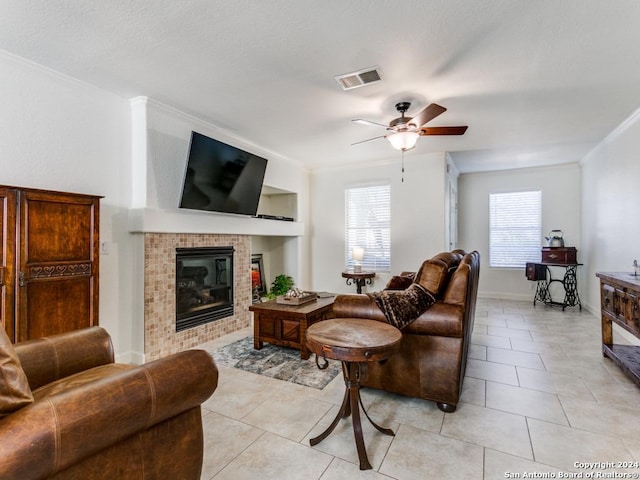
(515, 230)
(368, 225)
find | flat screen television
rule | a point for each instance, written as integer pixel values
(221, 178)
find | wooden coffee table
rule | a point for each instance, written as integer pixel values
(353, 341)
(286, 325)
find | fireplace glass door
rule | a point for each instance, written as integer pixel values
(204, 285)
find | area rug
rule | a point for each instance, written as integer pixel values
(276, 362)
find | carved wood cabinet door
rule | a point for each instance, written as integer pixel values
(50, 262)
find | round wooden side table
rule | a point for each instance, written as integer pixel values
(360, 279)
(353, 341)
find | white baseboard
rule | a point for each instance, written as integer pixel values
(595, 311)
(630, 338)
(132, 358)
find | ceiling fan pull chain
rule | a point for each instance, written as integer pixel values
(402, 166)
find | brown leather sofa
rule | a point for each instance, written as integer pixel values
(91, 418)
(433, 354)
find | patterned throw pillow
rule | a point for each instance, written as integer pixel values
(401, 307)
(14, 386)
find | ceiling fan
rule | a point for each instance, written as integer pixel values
(404, 131)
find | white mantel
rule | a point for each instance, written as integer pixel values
(150, 220)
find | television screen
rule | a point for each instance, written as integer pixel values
(221, 178)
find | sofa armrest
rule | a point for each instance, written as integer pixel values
(64, 428)
(47, 359)
(442, 319)
(357, 306)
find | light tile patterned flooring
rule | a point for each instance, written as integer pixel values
(538, 399)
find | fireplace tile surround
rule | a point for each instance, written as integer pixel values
(160, 337)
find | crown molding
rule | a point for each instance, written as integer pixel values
(615, 134)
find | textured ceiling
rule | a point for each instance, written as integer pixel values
(538, 82)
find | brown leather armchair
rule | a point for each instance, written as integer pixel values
(92, 418)
(433, 354)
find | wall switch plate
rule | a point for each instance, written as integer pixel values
(105, 248)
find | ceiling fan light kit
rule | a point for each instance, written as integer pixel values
(404, 140)
(405, 131)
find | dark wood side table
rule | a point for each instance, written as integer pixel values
(286, 325)
(353, 341)
(360, 279)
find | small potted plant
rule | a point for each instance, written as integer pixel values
(281, 285)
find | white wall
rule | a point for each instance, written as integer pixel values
(417, 216)
(560, 188)
(57, 133)
(611, 206)
(161, 136)
(60, 134)
(167, 135)
(159, 166)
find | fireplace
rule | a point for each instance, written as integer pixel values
(159, 307)
(204, 285)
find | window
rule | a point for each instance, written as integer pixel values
(515, 230)
(368, 225)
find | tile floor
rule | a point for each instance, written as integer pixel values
(539, 401)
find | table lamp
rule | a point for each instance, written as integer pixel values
(358, 255)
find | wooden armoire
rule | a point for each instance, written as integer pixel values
(50, 261)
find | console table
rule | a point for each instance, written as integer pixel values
(353, 341)
(360, 279)
(569, 281)
(620, 304)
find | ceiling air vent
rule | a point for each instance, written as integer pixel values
(359, 78)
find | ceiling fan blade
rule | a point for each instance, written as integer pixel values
(427, 114)
(368, 140)
(368, 122)
(443, 130)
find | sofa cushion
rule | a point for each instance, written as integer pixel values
(400, 282)
(433, 276)
(450, 258)
(434, 273)
(456, 292)
(15, 392)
